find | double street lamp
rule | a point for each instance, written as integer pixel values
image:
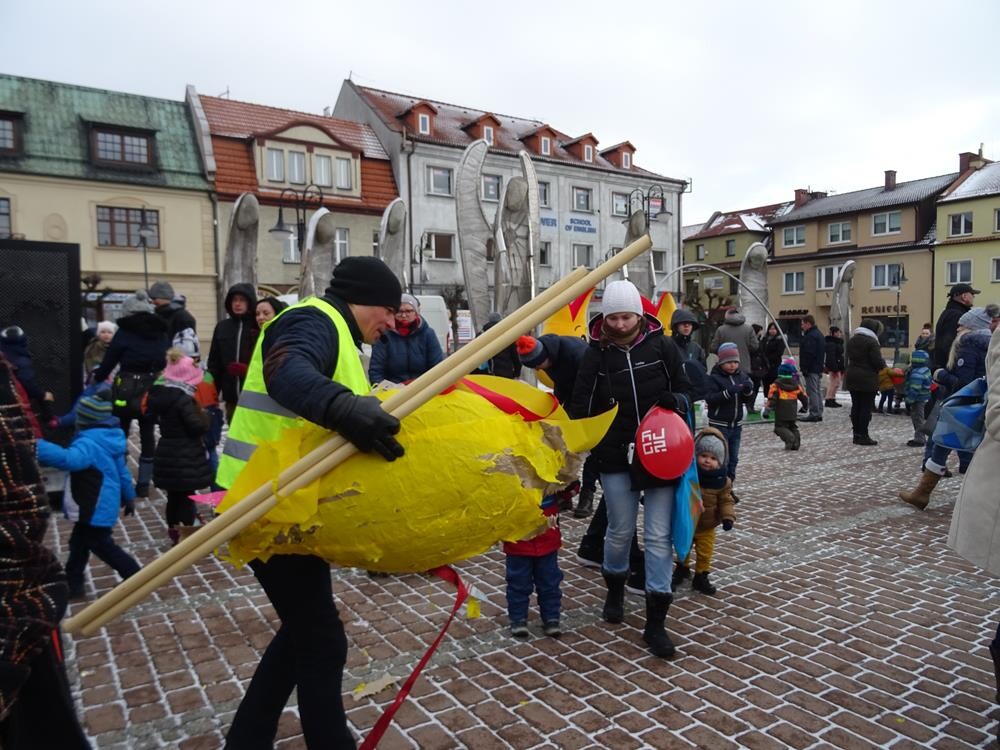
(653, 203)
(900, 280)
(146, 233)
(300, 203)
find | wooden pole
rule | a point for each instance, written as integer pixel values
(335, 450)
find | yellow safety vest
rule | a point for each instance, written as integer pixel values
(259, 417)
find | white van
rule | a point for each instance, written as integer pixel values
(435, 313)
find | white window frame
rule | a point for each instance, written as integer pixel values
(297, 167)
(995, 265)
(589, 192)
(841, 226)
(957, 278)
(699, 251)
(274, 168)
(578, 246)
(547, 201)
(996, 219)
(796, 242)
(545, 145)
(588, 153)
(888, 275)
(432, 242)
(965, 221)
(431, 169)
(821, 272)
(290, 249)
(888, 226)
(794, 276)
(488, 134)
(424, 123)
(714, 283)
(626, 160)
(341, 243)
(614, 208)
(344, 168)
(731, 245)
(499, 183)
(8, 214)
(323, 176)
(545, 253)
(659, 260)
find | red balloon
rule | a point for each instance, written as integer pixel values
(664, 443)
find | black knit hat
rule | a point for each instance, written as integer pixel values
(365, 280)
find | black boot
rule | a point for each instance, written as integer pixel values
(145, 475)
(995, 653)
(864, 440)
(654, 633)
(614, 603)
(585, 505)
(681, 573)
(701, 583)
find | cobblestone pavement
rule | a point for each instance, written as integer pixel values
(842, 620)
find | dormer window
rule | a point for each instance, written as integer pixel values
(546, 145)
(588, 153)
(424, 124)
(10, 135)
(626, 160)
(121, 147)
(488, 134)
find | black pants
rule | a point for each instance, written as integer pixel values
(147, 434)
(590, 474)
(43, 715)
(308, 652)
(97, 539)
(862, 403)
(180, 508)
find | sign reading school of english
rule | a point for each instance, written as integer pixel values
(581, 225)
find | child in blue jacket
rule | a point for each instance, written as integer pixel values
(99, 486)
(916, 393)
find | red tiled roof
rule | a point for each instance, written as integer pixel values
(617, 146)
(447, 129)
(744, 220)
(235, 174)
(234, 119)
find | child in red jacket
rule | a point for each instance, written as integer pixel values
(533, 565)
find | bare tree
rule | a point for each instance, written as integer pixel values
(454, 299)
(710, 313)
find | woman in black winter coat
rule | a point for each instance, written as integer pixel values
(773, 347)
(631, 364)
(138, 349)
(181, 467)
(233, 342)
(834, 365)
(864, 362)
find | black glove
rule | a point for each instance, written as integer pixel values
(363, 421)
(727, 525)
(673, 402)
(734, 388)
(129, 508)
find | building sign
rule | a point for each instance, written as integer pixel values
(549, 222)
(581, 225)
(883, 309)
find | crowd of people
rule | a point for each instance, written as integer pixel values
(269, 364)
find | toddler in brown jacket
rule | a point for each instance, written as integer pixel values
(719, 508)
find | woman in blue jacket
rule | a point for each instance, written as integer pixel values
(407, 352)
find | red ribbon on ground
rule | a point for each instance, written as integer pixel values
(445, 573)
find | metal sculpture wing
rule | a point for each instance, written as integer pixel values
(512, 247)
(840, 304)
(317, 258)
(534, 220)
(753, 274)
(474, 231)
(392, 240)
(635, 227)
(241, 247)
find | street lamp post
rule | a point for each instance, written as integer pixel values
(300, 204)
(646, 200)
(900, 280)
(146, 233)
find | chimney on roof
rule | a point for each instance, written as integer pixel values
(968, 160)
(802, 196)
(326, 111)
(890, 179)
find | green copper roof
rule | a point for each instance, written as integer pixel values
(56, 124)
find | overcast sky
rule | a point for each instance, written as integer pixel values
(748, 100)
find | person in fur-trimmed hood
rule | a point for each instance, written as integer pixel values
(864, 362)
(735, 329)
(232, 345)
(719, 508)
(726, 394)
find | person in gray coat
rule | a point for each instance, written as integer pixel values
(736, 330)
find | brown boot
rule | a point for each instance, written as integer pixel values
(921, 494)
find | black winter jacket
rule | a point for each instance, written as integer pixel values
(774, 350)
(565, 353)
(507, 363)
(17, 354)
(864, 362)
(182, 328)
(812, 352)
(834, 354)
(725, 397)
(233, 341)
(946, 330)
(635, 378)
(181, 462)
(139, 345)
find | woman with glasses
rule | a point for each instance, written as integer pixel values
(407, 352)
